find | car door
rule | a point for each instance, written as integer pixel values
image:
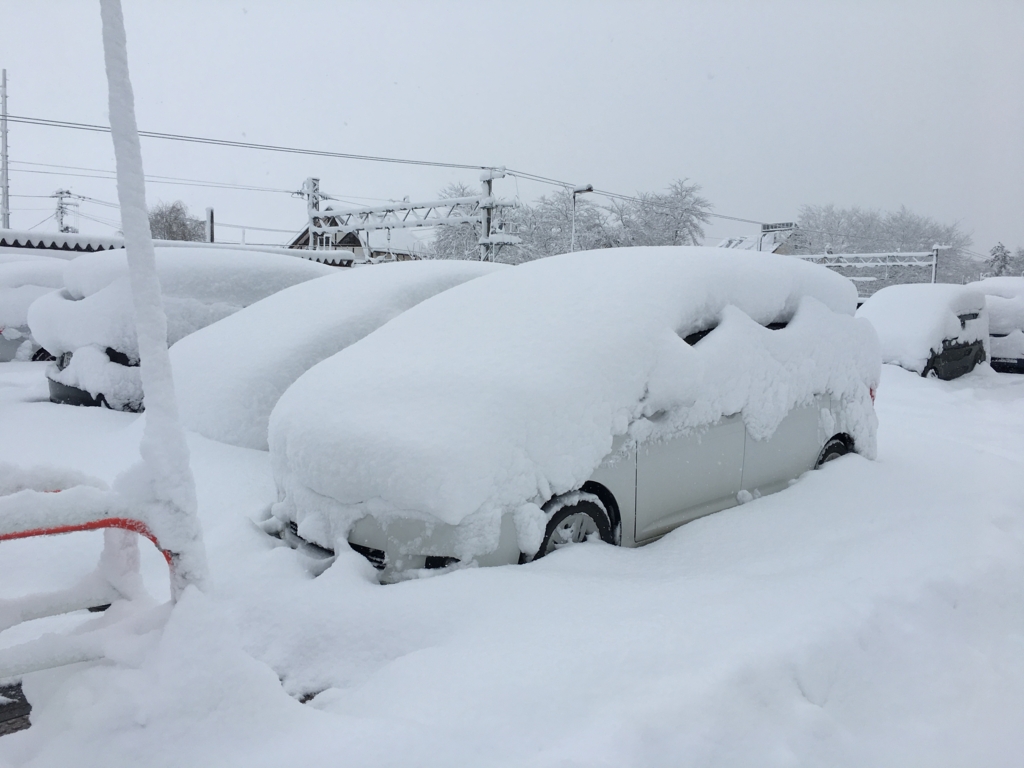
(791, 450)
(687, 477)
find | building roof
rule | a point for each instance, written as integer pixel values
(58, 241)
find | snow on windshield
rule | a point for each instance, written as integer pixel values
(510, 388)
(913, 320)
(230, 375)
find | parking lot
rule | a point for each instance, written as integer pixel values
(870, 612)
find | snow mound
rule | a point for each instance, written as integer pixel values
(230, 375)
(199, 287)
(510, 388)
(914, 320)
(21, 283)
(1004, 297)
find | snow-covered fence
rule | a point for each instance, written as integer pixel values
(46, 502)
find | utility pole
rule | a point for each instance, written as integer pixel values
(5, 198)
(311, 190)
(209, 225)
(63, 208)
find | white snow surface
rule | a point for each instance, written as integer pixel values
(871, 615)
(913, 320)
(1004, 297)
(199, 286)
(21, 283)
(91, 370)
(230, 375)
(510, 388)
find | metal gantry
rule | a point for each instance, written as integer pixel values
(927, 259)
(327, 226)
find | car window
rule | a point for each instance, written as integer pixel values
(693, 338)
(965, 318)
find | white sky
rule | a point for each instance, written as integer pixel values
(767, 105)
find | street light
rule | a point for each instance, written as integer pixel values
(577, 191)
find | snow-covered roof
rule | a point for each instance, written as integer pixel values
(510, 388)
(230, 375)
(914, 320)
(58, 241)
(1004, 297)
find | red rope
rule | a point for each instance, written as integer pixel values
(124, 523)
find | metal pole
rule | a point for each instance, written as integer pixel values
(572, 237)
(485, 248)
(5, 201)
(935, 262)
(209, 225)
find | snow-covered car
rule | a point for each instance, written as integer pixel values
(229, 375)
(89, 325)
(610, 395)
(1004, 297)
(21, 283)
(934, 329)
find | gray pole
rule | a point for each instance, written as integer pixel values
(209, 225)
(5, 202)
(485, 250)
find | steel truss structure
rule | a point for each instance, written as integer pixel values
(928, 259)
(328, 226)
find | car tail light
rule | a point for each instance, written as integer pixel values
(871, 391)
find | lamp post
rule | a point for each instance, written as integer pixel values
(577, 191)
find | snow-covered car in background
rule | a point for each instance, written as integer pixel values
(934, 329)
(21, 283)
(1004, 297)
(89, 325)
(229, 375)
(612, 394)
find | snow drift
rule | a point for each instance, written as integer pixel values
(21, 283)
(230, 375)
(1004, 297)
(510, 388)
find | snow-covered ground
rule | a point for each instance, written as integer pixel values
(872, 614)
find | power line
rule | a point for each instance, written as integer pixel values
(241, 144)
(41, 222)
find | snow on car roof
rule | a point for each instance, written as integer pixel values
(913, 320)
(510, 388)
(209, 275)
(229, 375)
(199, 286)
(21, 283)
(1004, 297)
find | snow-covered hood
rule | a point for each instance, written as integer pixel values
(199, 286)
(914, 320)
(228, 376)
(510, 388)
(1004, 297)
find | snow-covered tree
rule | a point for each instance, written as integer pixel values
(673, 218)
(999, 259)
(171, 221)
(456, 241)
(858, 230)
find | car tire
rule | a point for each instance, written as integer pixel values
(833, 449)
(574, 524)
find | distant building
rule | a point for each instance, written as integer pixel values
(784, 238)
(349, 250)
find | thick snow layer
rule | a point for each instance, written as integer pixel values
(871, 615)
(230, 375)
(914, 320)
(1004, 297)
(90, 369)
(21, 283)
(1008, 347)
(510, 388)
(199, 286)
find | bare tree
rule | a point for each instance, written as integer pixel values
(171, 221)
(674, 218)
(856, 230)
(999, 260)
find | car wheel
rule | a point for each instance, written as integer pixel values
(833, 449)
(575, 524)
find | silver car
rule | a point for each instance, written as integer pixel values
(797, 370)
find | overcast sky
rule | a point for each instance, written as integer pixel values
(766, 105)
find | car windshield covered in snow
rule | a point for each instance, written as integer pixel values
(458, 430)
(932, 329)
(89, 325)
(229, 375)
